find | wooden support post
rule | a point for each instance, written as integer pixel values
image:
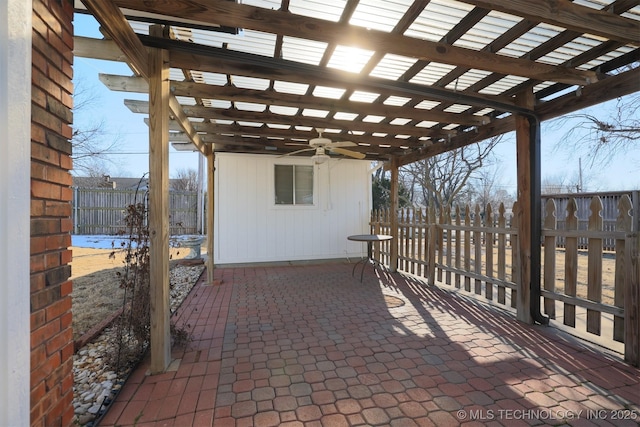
(632, 298)
(393, 256)
(211, 158)
(524, 160)
(159, 205)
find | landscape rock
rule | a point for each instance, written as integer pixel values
(95, 382)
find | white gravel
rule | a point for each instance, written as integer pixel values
(96, 383)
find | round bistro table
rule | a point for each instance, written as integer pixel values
(369, 239)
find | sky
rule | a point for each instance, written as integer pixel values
(130, 156)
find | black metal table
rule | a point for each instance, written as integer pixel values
(369, 239)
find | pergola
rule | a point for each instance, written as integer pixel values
(404, 80)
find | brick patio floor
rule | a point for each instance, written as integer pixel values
(311, 345)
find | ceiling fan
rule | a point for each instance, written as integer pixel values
(322, 145)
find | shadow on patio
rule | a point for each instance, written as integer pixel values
(311, 345)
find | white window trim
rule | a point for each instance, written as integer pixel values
(272, 185)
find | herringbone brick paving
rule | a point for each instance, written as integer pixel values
(312, 346)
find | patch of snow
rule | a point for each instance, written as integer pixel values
(98, 241)
(118, 242)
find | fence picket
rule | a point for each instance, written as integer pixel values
(477, 248)
(550, 258)
(458, 244)
(435, 243)
(412, 242)
(448, 239)
(571, 263)
(594, 275)
(488, 292)
(467, 247)
(502, 254)
(420, 243)
(449, 244)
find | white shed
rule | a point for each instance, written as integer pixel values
(265, 204)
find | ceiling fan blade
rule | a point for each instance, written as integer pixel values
(343, 144)
(349, 153)
(296, 152)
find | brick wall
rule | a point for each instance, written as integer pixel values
(51, 102)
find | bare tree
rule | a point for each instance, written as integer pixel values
(381, 188)
(185, 180)
(90, 140)
(559, 184)
(485, 187)
(442, 179)
(601, 133)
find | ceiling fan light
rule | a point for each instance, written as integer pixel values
(320, 158)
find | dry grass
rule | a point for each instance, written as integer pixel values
(96, 287)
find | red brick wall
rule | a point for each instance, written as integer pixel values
(51, 103)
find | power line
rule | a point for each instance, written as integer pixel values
(145, 152)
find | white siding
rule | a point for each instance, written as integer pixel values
(250, 227)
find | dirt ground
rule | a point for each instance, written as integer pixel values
(96, 288)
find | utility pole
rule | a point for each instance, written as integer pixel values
(579, 174)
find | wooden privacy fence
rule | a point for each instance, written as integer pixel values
(593, 293)
(609, 213)
(102, 210)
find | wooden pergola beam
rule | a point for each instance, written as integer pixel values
(285, 23)
(285, 138)
(116, 25)
(215, 60)
(611, 88)
(606, 90)
(195, 111)
(571, 16)
(271, 97)
(103, 49)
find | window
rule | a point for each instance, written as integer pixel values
(294, 185)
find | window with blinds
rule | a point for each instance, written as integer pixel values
(293, 185)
